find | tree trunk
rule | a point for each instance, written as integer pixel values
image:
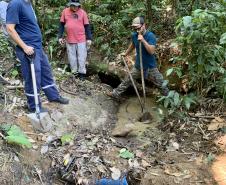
(149, 12)
(174, 8)
(191, 6)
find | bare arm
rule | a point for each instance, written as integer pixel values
(130, 49)
(150, 48)
(12, 32)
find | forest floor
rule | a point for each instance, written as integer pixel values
(81, 148)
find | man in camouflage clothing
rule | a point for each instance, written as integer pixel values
(151, 72)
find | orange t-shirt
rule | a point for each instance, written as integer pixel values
(74, 25)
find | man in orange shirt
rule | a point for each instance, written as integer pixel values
(75, 20)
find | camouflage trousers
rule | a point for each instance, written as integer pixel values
(151, 74)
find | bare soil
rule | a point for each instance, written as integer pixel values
(169, 150)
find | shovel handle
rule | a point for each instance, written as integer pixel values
(31, 57)
(142, 72)
(134, 86)
(34, 83)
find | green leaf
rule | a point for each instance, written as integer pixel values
(17, 136)
(169, 71)
(14, 73)
(161, 99)
(223, 39)
(210, 157)
(188, 101)
(171, 94)
(51, 51)
(187, 21)
(15, 131)
(176, 99)
(166, 102)
(179, 73)
(67, 138)
(20, 140)
(126, 154)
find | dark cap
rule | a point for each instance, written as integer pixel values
(74, 2)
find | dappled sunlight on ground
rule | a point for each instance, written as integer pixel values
(219, 169)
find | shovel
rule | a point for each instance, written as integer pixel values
(37, 118)
(146, 116)
(134, 86)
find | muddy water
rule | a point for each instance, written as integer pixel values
(130, 111)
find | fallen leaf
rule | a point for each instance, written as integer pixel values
(133, 163)
(218, 119)
(216, 124)
(101, 168)
(67, 138)
(126, 154)
(139, 153)
(31, 140)
(173, 146)
(221, 142)
(35, 147)
(145, 164)
(67, 158)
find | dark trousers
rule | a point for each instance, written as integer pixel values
(151, 74)
(44, 77)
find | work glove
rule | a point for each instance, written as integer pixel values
(88, 44)
(61, 41)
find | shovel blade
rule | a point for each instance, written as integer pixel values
(146, 117)
(44, 124)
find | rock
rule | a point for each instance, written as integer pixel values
(16, 158)
(44, 149)
(122, 132)
(173, 146)
(116, 173)
(56, 115)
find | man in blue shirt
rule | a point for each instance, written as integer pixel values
(22, 26)
(151, 71)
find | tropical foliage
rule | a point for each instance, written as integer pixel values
(202, 39)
